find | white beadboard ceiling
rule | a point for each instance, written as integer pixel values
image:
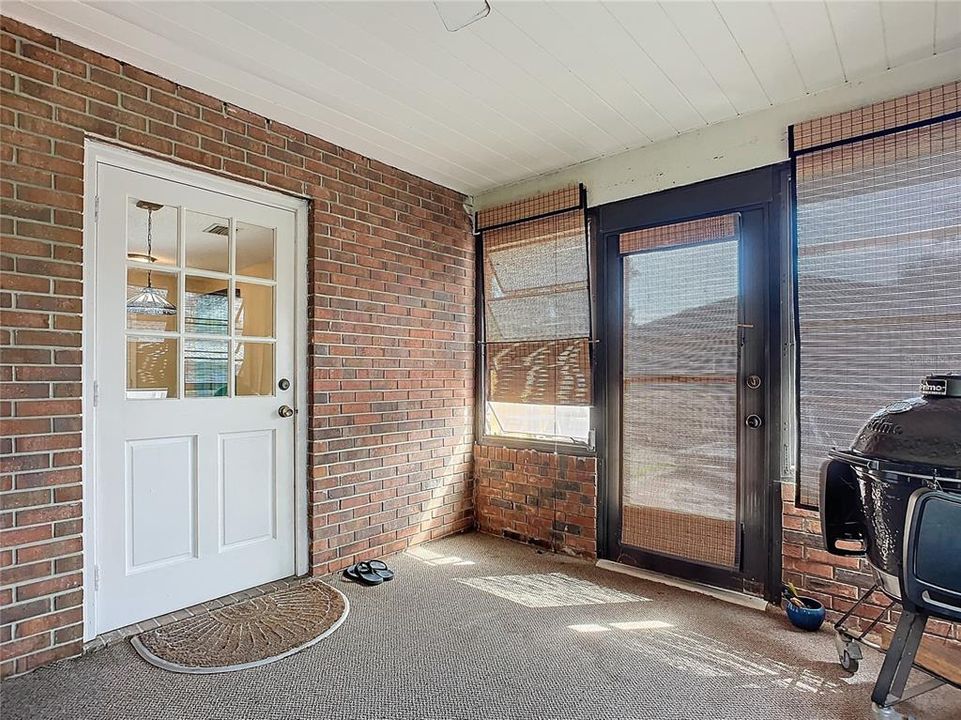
(533, 87)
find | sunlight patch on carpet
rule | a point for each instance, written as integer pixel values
(550, 590)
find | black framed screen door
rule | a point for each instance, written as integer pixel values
(690, 380)
(681, 330)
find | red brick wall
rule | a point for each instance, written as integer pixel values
(834, 580)
(390, 324)
(536, 497)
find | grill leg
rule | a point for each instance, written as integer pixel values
(899, 659)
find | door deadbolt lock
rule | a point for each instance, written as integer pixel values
(753, 421)
(754, 381)
(285, 411)
(284, 384)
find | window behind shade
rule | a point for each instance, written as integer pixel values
(878, 264)
(537, 322)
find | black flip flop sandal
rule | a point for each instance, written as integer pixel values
(367, 574)
(380, 567)
(350, 573)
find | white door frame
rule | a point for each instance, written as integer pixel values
(97, 153)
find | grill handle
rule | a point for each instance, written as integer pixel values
(853, 459)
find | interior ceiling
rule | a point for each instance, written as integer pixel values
(533, 87)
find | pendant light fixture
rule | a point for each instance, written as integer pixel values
(149, 300)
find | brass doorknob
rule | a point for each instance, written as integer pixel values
(285, 411)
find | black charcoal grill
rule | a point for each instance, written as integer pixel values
(910, 444)
(906, 452)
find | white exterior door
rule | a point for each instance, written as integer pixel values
(194, 451)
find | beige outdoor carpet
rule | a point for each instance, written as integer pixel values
(248, 633)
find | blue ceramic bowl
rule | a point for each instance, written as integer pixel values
(810, 617)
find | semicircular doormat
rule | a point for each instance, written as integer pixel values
(249, 633)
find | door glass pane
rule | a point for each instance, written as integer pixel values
(151, 368)
(254, 310)
(205, 367)
(163, 248)
(254, 368)
(206, 309)
(680, 348)
(255, 251)
(165, 286)
(206, 242)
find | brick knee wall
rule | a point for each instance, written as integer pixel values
(834, 580)
(390, 324)
(535, 497)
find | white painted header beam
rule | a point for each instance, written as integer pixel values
(729, 147)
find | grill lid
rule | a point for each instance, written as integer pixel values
(923, 430)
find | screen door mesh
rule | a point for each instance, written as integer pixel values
(878, 266)
(679, 390)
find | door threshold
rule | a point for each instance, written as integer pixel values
(728, 596)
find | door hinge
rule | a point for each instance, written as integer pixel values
(96, 393)
(96, 577)
(96, 209)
